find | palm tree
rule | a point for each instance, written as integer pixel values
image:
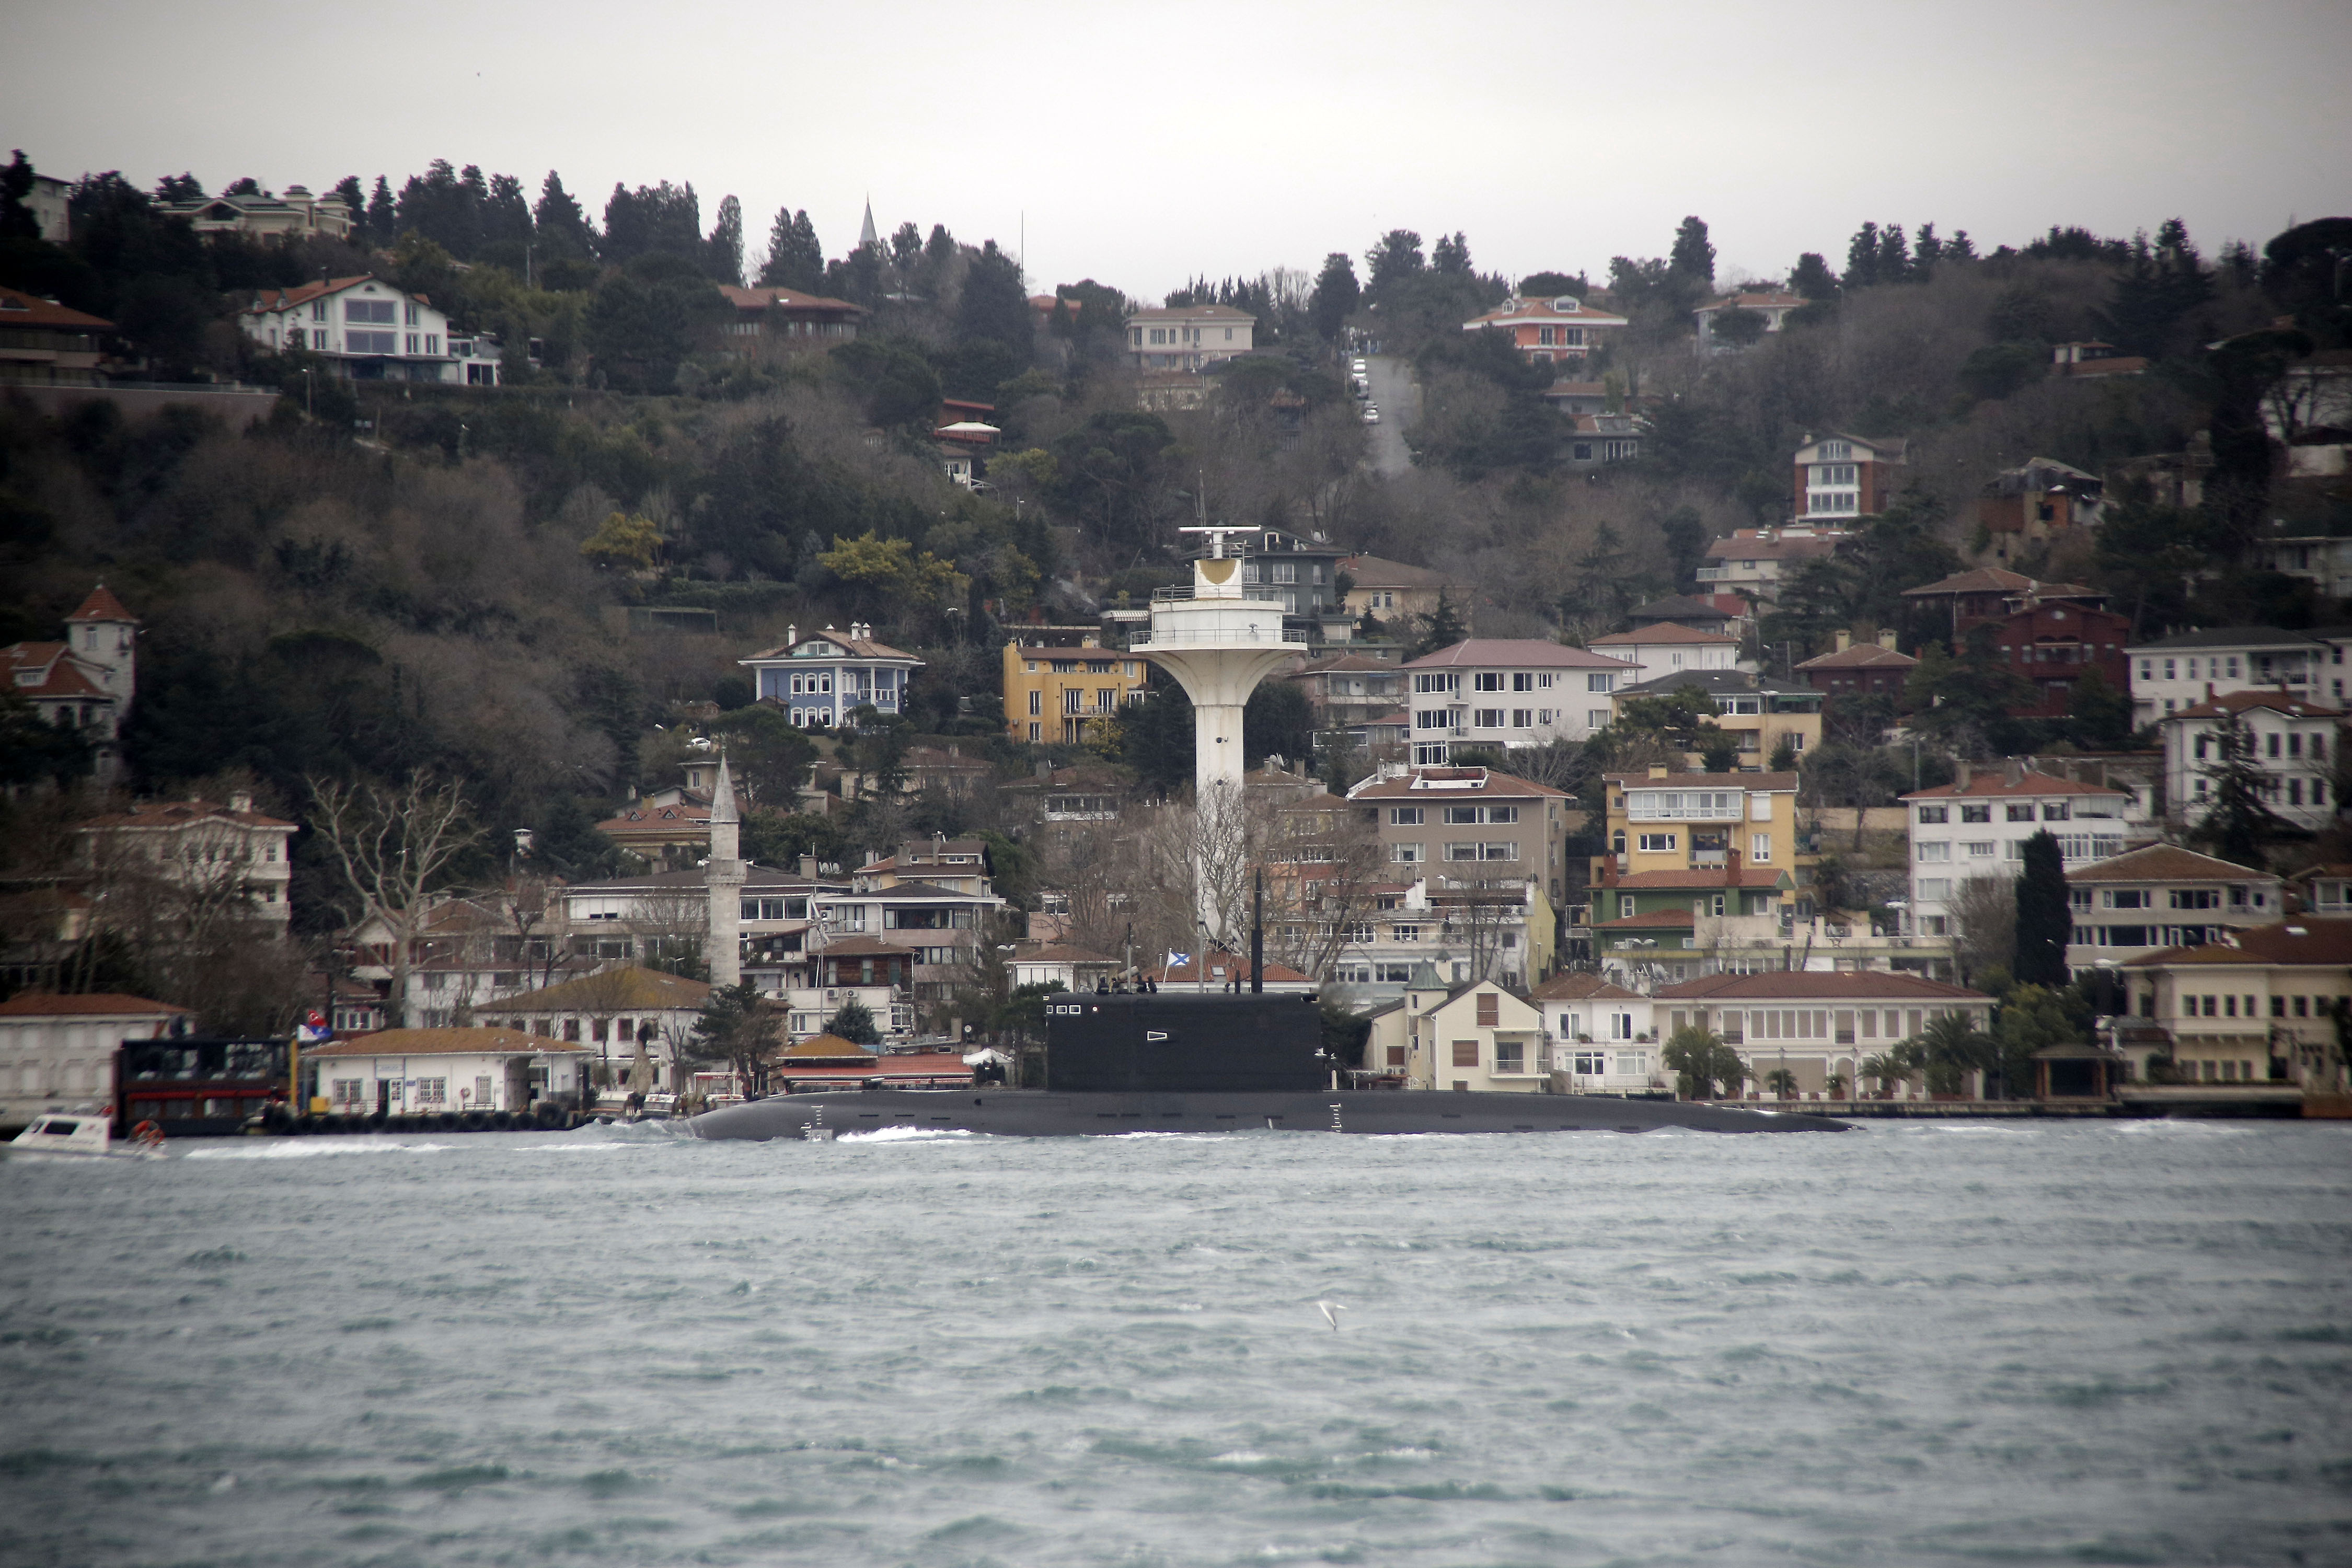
(1702, 1060)
(1836, 1086)
(1890, 1066)
(1782, 1083)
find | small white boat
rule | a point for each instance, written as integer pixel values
(79, 1136)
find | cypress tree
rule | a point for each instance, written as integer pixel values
(2044, 920)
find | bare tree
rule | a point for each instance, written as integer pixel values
(1984, 917)
(394, 846)
(672, 926)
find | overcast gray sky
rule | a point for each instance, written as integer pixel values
(1145, 143)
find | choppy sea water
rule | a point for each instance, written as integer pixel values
(1930, 1344)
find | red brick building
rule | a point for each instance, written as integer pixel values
(2050, 633)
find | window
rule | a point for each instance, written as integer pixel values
(1425, 683)
(2053, 811)
(1979, 849)
(2021, 811)
(375, 313)
(1523, 681)
(1685, 805)
(1486, 718)
(2196, 898)
(1036, 702)
(1596, 718)
(1935, 813)
(1591, 1063)
(1407, 854)
(1489, 1009)
(1405, 816)
(370, 343)
(1934, 890)
(1487, 681)
(1759, 849)
(1601, 683)
(1976, 813)
(1659, 843)
(412, 345)
(1404, 933)
(1936, 850)
(1465, 1053)
(1523, 718)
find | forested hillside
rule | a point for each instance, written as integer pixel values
(379, 578)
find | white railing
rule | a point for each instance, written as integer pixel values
(1223, 636)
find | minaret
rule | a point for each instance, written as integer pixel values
(725, 880)
(866, 235)
(1218, 644)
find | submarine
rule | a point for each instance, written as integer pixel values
(1186, 1062)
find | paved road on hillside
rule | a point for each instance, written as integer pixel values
(1399, 404)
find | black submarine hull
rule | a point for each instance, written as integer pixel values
(1047, 1113)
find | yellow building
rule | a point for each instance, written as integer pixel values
(1050, 693)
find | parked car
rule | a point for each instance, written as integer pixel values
(1371, 414)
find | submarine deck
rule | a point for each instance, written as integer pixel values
(1046, 1114)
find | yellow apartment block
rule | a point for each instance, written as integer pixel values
(1050, 693)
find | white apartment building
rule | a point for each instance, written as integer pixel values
(1754, 562)
(231, 853)
(1815, 1026)
(1497, 928)
(1508, 691)
(2295, 741)
(2178, 672)
(1664, 649)
(1840, 476)
(365, 330)
(2162, 896)
(1188, 337)
(1604, 1038)
(57, 1051)
(1976, 826)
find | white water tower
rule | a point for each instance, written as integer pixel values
(1219, 644)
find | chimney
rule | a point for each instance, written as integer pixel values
(1887, 640)
(1966, 770)
(2012, 771)
(1844, 641)
(808, 867)
(1731, 869)
(792, 636)
(241, 802)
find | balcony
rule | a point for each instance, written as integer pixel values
(1716, 858)
(1233, 637)
(1713, 574)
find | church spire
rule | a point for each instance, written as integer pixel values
(866, 235)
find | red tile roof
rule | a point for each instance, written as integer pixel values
(19, 309)
(2304, 941)
(1861, 656)
(164, 815)
(285, 299)
(1189, 974)
(1513, 653)
(1995, 781)
(1803, 984)
(445, 1043)
(1581, 988)
(93, 1004)
(760, 299)
(61, 678)
(1663, 632)
(102, 605)
(1993, 580)
(2167, 863)
(2245, 701)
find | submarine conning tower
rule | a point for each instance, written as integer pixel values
(1178, 1042)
